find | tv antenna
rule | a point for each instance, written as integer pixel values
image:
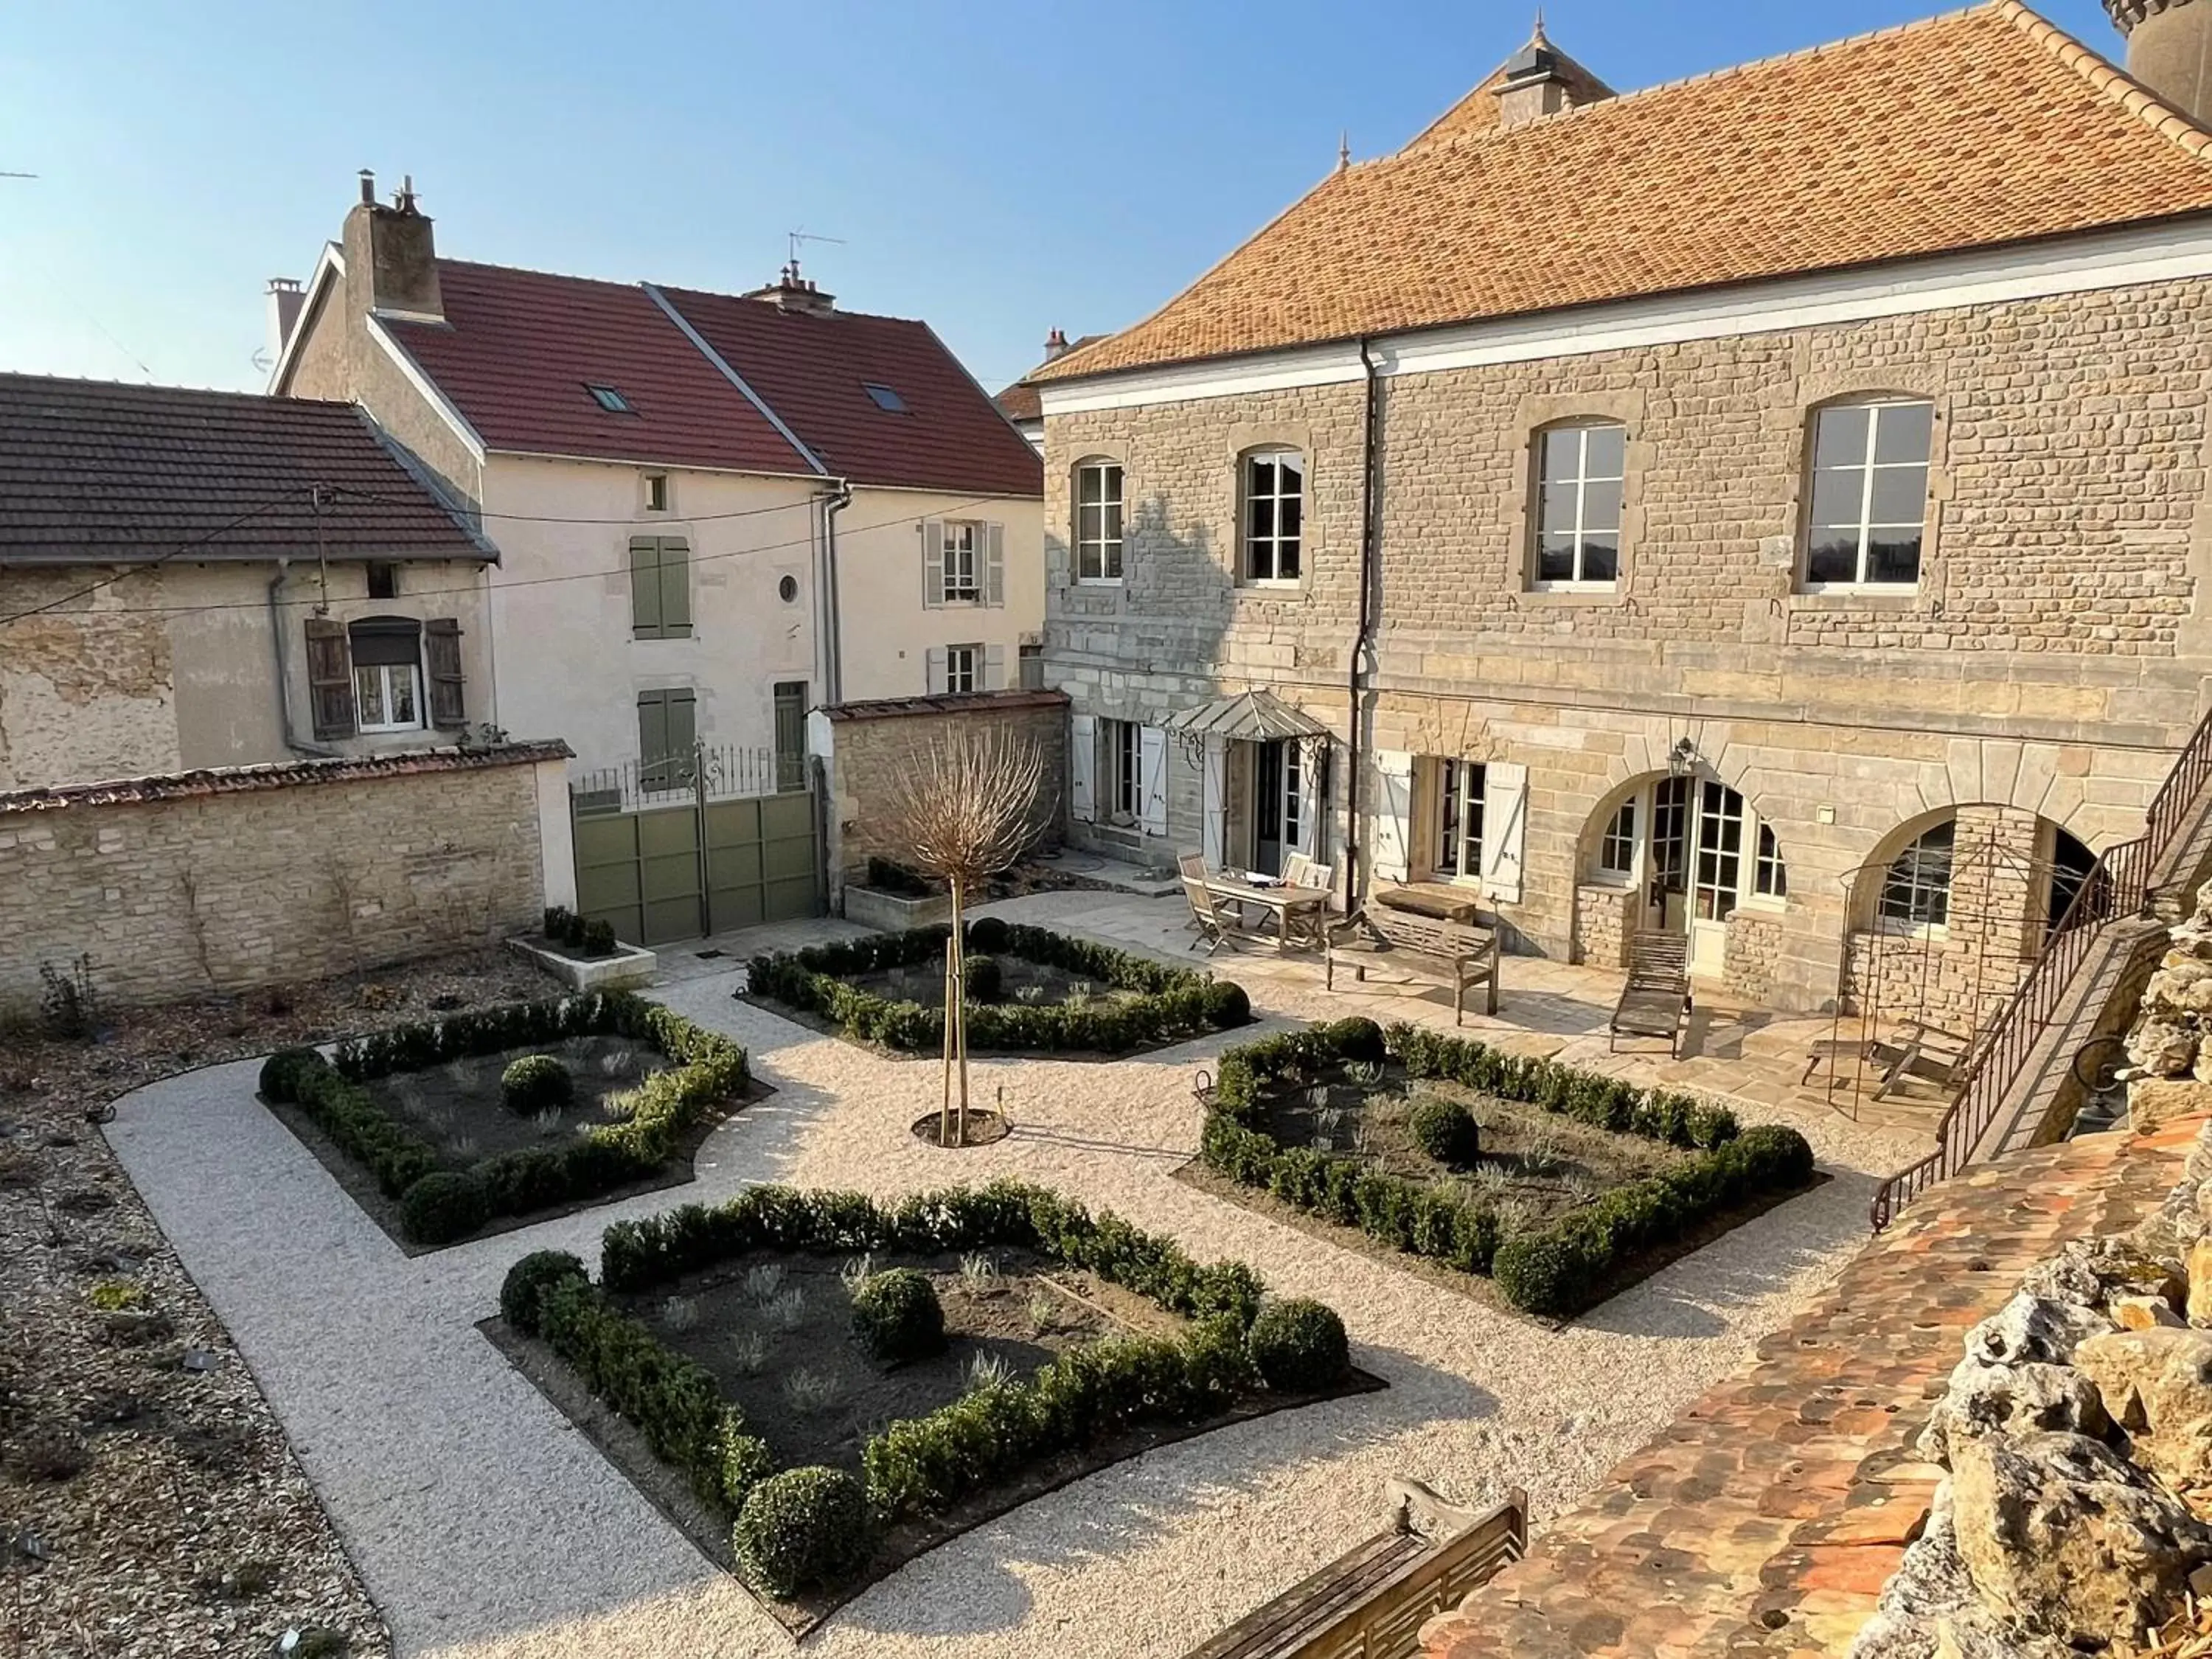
(795, 237)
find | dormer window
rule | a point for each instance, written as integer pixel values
(884, 397)
(609, 399)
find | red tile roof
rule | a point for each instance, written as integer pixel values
(519, 349)
(814, 370)
(1979, 129)
(1022, 401)
(281, 775)
(95, 472)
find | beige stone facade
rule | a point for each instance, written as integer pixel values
(2049, 659)
(315, 870)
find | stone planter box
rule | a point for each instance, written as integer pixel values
(887, 913)
(630, 966)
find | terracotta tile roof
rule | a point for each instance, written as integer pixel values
(519, 349)
(1478, 111)
(814, 371)
(1973, 130)
(283, 774)
(1764, 1521)
(93, 472)
(944, 703)
(1021, 401)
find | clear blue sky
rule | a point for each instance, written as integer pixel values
(996, 169)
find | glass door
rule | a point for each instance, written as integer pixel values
(1274, 788)
(1670, 852)
(1717, 882)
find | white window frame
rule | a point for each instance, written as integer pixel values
(1103, 551)
(1770, 871)
(963, 669)
(1580, 480)
(382, 674)
(1911, 925)
(1860, 582)
(1453, 821)
(964, 563)
(1249, 545)
(1632, 809)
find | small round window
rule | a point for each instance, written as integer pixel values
(788, 587)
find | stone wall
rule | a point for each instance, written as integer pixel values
(2049, 659)
(1754, 946)
(228, 879)
(871, 745)
(1604, 923)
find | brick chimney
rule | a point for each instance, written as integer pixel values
(1538, 81)
(2170, 51)
(285, 298)
(392, 259)
(792, 292)
(1055, 344)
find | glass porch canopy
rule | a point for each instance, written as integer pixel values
(1248, 717)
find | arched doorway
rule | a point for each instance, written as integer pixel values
(1684, 853)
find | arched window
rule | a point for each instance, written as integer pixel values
(2071, 863)
(1275, 510)
(1916, 892)
(1097, 528)
(1580, 468)
(1869, 509)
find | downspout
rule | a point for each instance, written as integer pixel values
(284, 669)
(1363, 640)
(833, 630)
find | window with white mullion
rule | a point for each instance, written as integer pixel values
(1275, 515)
(1581, 472)
(1869, 505)
(962, 563)
(1457, 824)
(964, 668)
(1098, 522)
(1616, 849)
(388, 696)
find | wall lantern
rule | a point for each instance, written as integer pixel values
(1682, 759)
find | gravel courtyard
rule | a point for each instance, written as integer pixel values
(483, 1525)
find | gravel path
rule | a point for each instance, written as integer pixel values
(484, 1526)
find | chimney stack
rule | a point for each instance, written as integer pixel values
(793, 293)
(394, 247)
(1055, 344)
(2169, 50)
(285, 299)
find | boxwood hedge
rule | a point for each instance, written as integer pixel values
(1555, 1270)
(926, 1466)
(440, 1204)
(1165, 1004)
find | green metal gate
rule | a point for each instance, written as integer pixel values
(696, 844)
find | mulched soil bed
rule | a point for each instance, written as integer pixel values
(456, 1107)
(148, 1504)
(1543, 1162)
(1027, 1312)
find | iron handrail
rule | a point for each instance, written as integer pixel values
(2118, 885)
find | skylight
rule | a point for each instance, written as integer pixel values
(885, 398)
(609, 399)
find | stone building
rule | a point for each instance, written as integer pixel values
(1770, 506)
(192, 579)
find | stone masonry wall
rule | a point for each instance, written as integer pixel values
(873, 743)
(227, 890)
(2049, 659)
(1604, 925)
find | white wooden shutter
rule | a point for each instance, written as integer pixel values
(932, 567)
(1313, 797)
(1152, 780)
(1082, 762)
(1505, 823)
(1393, 814)
(940, 677)
(1213, 801)
(995, 668)
(994, 564)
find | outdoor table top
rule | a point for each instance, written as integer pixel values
(1444, 903)
(1276, 894)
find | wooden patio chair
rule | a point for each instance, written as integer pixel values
(1211, 918)
(1655, 1003)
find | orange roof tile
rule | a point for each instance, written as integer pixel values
(1972, 130)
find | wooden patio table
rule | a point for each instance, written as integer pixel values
(1297, 910)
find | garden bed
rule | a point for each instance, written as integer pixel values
(491, 1121)
(1563, 1186)
(1031, 991)
(739, 1364)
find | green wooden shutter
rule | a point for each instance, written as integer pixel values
(645, 589)
(652, 737)
(675, 589)
(683, 728)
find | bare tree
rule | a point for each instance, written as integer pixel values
(969, 807)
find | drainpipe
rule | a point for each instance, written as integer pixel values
(1363, 642)
(284, 671)
(841, 497)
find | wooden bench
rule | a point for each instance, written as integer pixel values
(1442, 952)
(1656, 1001)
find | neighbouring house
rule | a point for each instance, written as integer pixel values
(194, 580)
(1769, 507)
(715, 511)
(1022, 404)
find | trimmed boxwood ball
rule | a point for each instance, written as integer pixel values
(1226, 1005)
(282, 1072)
(1546, 1274)
(535, 1082)
(804, 1527)
(988, 934)
(1298, 1347)
(522, 1292)
(896, 1315)
(1778, 1153)
(442, 1207)
(1447, 1132)
(1357, 1039)
(986, 980)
